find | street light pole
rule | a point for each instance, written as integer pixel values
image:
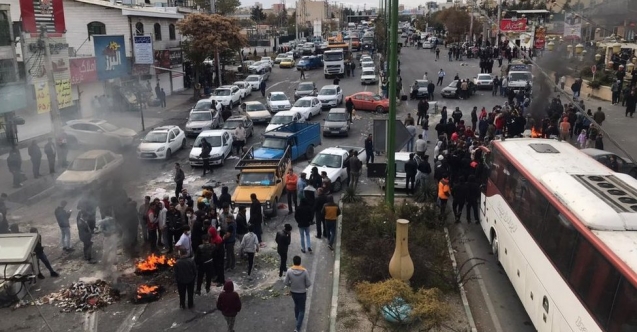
(391, 119)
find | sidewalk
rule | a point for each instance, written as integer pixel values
(38, 128)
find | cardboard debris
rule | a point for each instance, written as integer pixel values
(88, 295)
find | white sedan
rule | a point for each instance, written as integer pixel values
(97, 132)
(221, 143)
(283, 118)
(254, 81)
(308, 107)
(244, 87)
(92, 168)
(161, 143)
(278, 101)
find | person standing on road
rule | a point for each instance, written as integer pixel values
(179, 179)
(185, 275)
(249, 247)
(411, 128)
(330, 213)
(240, 139)
(229, 240)
(256, 217)
(229, 304)
(423, 107)
(49, 150)
(291, 180)
(62, 216)
(142, 216)
(441, 76)
(162, 98)
(302, 69)
(39, 252)
(355, 169)
(304, 216)
(86, 236)
(36, 158)
(298, 279)
(443, 194)
(430, 90)
(205, 155)
(349, 107)
(14, 163)
(262, 88)
(283, 239)
(321, 199)
(411, 168)
(437, 54)
(369, 149)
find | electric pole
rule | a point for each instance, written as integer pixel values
(391, 118)
(56, 122)
(213, 10)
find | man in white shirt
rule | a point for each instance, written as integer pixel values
(421, 146)
(240, 139)
(184, 241)
(441, 76)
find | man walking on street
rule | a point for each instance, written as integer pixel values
(185, 274)
(229, 304)
(49, 150)
(298, 279)
(240, 139)
(283, 239)
(86, 236)
(302, 73)
(599, 116)
(355, 169)
(62, 216)
(256, 217)
(36, 158)
(304, 216)
(39, 252)
(349, 107)
(411, 168)
(205, 155)
(262, 88)
(179, 179)
(369, 149)
(291, 180)
(441, 76)
(162, 98)
(330, 212)
(321, 199)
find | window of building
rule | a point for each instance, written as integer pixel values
(7, 71)
(5, 32)
(172, 35)
(96, 28)
(157, 31)
(139, 28)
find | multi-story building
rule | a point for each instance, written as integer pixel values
(310, 11)
(12, 88)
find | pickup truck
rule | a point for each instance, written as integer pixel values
(299, 138)
(263, 178)
(309, 62)
(332, 161)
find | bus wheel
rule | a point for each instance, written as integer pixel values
(495, 246)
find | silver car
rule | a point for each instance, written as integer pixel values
(336, 123)
(96, 132)
(202, 119)
(483, 81)
(305, 89)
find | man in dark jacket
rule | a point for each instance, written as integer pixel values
(321, 199)
(62, 216)
(229, 304)
(304, 216)
(185, 274)
(369, 149)
(49, 150)
(256, 217)
(262, 88)
(242, 223)
(355, 168)
(330, 212)
(423, 108)
(36, 158)
(179, 179)
(283, 239)
(473, 198)
(203, 259)
(459, 193)
(86, 236)
(349, 106)
(229, 241)
(411, 168)
(174, 225)
(205, 155)
(225, 197)
(39, 252)
(456, 115)
(14, 163)
(430, 90)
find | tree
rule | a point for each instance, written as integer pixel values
(206, 34)
(457, 22)
(257, 15)
(380, 32)
(222, 7)
(271, 19)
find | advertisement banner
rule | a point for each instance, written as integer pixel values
(509, 25)
(110, 57)
(83, 70)
(540, 37)
(35, 13)
(43, 98)
(143, 48)
(572, 26)
(168, 58)
(36, 68)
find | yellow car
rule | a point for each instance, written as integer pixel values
(286, 63)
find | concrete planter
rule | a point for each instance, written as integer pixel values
(603, 93)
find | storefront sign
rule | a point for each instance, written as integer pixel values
(83, 70)
(510, 25)
(43, 98)
(572, 26)
(33, 52)
(540, 37)
(35, 13)
(168, 58)
(143, 48)
(110, 57)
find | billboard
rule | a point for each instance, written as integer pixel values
(572, 26)
(43, 96)
(168, 58)
(510, 25)
(540, 37)
(35, 13)
(143, 49)
(110, 57)
(83, 70)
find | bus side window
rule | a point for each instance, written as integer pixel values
(624, 314)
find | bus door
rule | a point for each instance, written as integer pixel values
(483, 172)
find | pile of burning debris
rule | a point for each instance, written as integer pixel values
(147, 293)
(154, 263)
(82, 296)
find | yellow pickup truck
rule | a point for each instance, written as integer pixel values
(263, 177)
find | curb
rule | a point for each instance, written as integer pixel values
(336, 275)
(463, 293)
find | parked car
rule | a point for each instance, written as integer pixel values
(227, 95)
(422, 89)
(287, 63)
(427, 45)
(280, 57)
(623, 165)
(236, 120)
(483, 81)
(332, 161)
(257, 112)
(370, 101)
(450, 90)
(305, 89)
(254, 81)
(96, 132)
(368, 76)
(308, 107)
(91, 168)
(336, 123)
(400, 180)
(161, 143)
(201, 120)
(244, 87)
(278, 101)
(284, 117)
(221, 142)
(330, 96)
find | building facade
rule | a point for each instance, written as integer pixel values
(310, 11)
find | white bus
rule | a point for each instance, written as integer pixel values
(564, 228)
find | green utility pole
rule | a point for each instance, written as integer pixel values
(391, 118)
(386, 15)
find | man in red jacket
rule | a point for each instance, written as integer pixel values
(229, 304)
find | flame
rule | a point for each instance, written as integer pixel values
(535, 133)
(154, 262)
(146, 289)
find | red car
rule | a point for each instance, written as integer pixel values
(369, 101)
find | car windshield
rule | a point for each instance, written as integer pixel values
(282, 55)
(274, 143)
(519, 77)
(368, 73)
(215, 141)
(484, 77)
(200, 116)
(400, 166)
(252, 78)
(366, 59)
(156, 137)
(278, 97)
(303, 103)
(333, 56)
(327, 160)
(453, 84)
(108, 127)
(222, 92)
(283, 119)
(336, 117)
(255, 107)
(239, 84)
(421, 84)
(368, 64)
(256, 179)
(231, 124)
(83, 165)
(305, 87)
(327, 92)
(203, 105)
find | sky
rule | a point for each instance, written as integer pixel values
(354, 4)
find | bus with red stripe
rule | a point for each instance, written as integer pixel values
(564, 228)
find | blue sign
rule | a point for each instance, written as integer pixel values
(110, 57)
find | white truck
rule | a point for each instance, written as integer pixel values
(318, 28)
(334, 63)
(332, 162)
(518, 75)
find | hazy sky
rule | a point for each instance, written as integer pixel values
(354, 4)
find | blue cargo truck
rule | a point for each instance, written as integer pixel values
(301, 138)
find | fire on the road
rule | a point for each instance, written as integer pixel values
(154, 263)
